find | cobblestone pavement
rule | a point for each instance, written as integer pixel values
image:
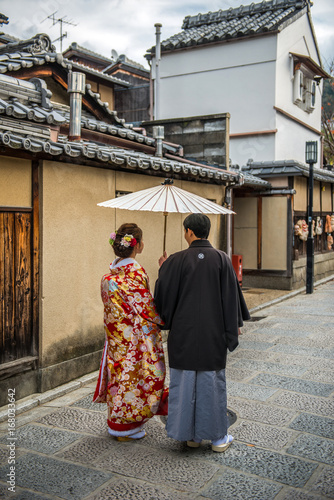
(280, 384)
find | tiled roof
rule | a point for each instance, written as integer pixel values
(109, 62)
(19, 130)
(254, 19)
(31, 101)
(251, 180)
(123, 59)
(268, 169)
(89, 122)
(38, 51)
(76, 47)
(27, 101)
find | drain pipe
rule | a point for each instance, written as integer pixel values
(157, 71)
(228, 200)
(158, 134)
(76, 88)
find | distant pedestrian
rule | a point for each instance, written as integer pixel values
(198, 297)
(132, 371)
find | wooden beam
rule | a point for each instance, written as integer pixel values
(259, 232)
(36, 167)
(259, 132)
(18, 366)
(293, 118)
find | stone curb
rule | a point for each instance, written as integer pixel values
(39, 399)
(289, 295)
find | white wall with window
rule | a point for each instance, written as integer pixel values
(256, 80)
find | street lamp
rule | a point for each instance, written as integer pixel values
(311, 157)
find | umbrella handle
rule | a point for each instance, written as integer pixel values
(165, 228)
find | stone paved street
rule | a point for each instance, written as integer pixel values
(280, 385)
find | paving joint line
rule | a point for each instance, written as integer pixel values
(39, 399)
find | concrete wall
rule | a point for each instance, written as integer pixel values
(274, 233)
(15, 182)
(203, 138)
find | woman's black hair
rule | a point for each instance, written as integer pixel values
(200, 224)
(130, 229)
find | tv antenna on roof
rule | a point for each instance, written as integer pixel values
(61, 21)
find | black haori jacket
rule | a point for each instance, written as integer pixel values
(198, 296)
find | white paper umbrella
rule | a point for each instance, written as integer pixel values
(166, 198)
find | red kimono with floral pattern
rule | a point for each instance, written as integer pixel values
(132, 371)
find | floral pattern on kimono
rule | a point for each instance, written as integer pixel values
(132, 371)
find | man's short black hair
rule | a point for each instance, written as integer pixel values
(200, 224)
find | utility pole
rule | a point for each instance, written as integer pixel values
(61, 21)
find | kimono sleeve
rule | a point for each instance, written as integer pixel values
(234, 306)
(167, 288)
(147, 308)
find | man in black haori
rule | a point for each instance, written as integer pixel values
(198, 296)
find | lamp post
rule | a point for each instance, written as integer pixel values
(311, 155)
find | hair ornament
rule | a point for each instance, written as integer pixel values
(128, 241)
(112, 238)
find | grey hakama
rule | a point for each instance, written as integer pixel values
(197, 405)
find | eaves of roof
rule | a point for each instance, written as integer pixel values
(75, 48)
(287, 168)
(311, 64)
(30, 123)
(250, 180)
(99, 74)
(114, 157)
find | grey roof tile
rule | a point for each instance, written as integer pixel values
(38, 51)
(267, 169)
(23, 126)
(233, 23)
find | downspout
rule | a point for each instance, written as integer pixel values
(76, 88)
(228, 201)
(151, 92)
(157, 71)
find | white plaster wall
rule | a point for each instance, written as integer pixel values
(296, 38)
(245, 78)
(257, 148)
(291, 139)
(234, 77)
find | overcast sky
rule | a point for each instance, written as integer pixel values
(127, 26)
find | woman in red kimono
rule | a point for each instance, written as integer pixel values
(132, 371)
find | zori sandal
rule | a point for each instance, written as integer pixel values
(193, 444)
(222, 444)
(133, 437)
